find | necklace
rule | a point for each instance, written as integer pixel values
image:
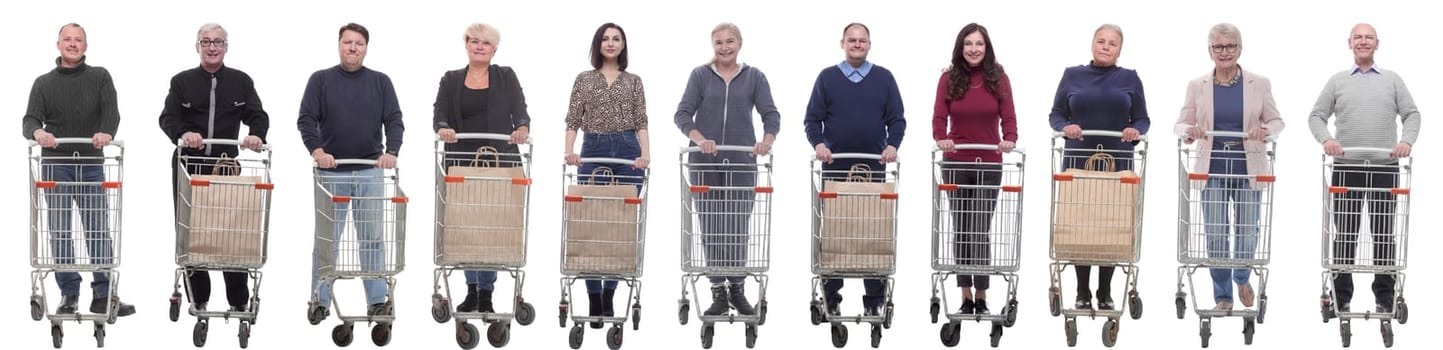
(1230, 82)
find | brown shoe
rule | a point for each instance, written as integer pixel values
(1224, 306)
(1245, 294)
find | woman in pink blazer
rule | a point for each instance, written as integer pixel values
(1229, 99)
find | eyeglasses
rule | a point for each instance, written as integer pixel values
(208, 42)
(1229, 47)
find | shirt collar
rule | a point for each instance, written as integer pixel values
(1357, 70)
(847, 69)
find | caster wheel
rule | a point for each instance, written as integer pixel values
(315, 314)
(1249, 327)
(1346, 332)
(37, 312)
(817, 317)
(244, 335)
(613, 338)
(113, 311)
(1069, 327)
(839, 336)
(1402, 313)
(1181, 307)
(1204, 331)
(761, 312)
(887, 316)
(1109, 333)
(498, 334)
(1387, 329)
(707, 332)
(1262, 307)
(57, 336)
(1054, 303)
(951, 334)
(1134, 306)
(525, 314)
(996, 335)
(751, 336)
(561, 315)
(577, 335)
(683, 312)
(99, 336)
(467, 336)
(381, 334)
(876, 337)
(341, 335)
(635, 319)
(440, 309)
(1009, 313)
(199, 333)
(935, 309)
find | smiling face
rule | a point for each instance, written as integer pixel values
(611, 44)
(212, 46)
(352, 47)
(1225, 51)
(857, 43)
(725, 45)
(974, 49)
(480, 50)
(1364, 43)
(72, 45)
(1106, 47)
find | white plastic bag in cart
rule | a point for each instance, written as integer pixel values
(1096, 212)
(483, 218)
(858, 226)
(226, 219)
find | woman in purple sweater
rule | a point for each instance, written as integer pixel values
(974, 106)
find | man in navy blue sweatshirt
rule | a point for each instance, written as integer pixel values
(855, 107)
(344, 112)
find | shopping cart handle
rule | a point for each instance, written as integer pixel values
(1237, 134)
(856, 156)
(76, 140)
(726, 148)
(356, 161)
(981, 146)
(1366, 149)
(485, 136)
(227, 142)
(1099, 133)
(609, 161)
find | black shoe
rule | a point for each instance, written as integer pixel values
(1343, 307)
(967, 306)
(379, 309)
(468, 304)
(67, 305)
(834, 305)
(237, 308)
(981, 307)
(718, 301)
(97, 306)
(1104, 302)
(1385, 308)
(199, 306)
(872, 311)
(594, 308)
(483, 302)
(1083, 303)
(738, 298)
(606, 302)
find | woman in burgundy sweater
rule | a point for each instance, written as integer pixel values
(974, 106)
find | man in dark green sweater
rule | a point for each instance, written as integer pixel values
(76, 100)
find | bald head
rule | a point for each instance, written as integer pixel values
(1363, 41)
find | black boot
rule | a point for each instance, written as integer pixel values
(606, 297)
(595, 308)
(68, 305)
(468, 305)
(718, 301)
(483, 302)
(738, 295)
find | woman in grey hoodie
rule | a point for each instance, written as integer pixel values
(716, 110)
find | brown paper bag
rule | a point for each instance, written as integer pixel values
(858, 226)
(226, 220)
(484, 219)
(1096, 213)
(601, 230)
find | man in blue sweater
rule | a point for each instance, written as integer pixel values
(855, 107)
(344, 112)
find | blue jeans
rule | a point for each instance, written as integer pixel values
(1218, 196)
(93, 205)
(622, 145)
(365, 214)
(484, 280)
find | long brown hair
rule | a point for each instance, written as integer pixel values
(959, 80)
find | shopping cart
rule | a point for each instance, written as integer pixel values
(482, 199)
(854, 234)
(1096, 221)
(55, 245)
(603, 236)
(1383, 190)
(989, 246)
(725, 231)
(1239, 237)
(349, 253)
(221, 224)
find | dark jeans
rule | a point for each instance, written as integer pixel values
(236, 291)
(622, 145)
(1347, 210)
(876, 288)
(971, 211)
(92, 203)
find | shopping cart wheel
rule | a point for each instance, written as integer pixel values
(951, 334)
(876, 336)
(175, 307)
(381, 334)
(467, 336)
(1249, 327)
(1345, 330)
(499, 334)
(1109, 332)
(1054, 302)
(839, 335)
(817, 317)
(1010, 313)
(1387, 328)
(1402, 312)
(1070, 328)
(99, 335)
(1327, 308)
(113, 311)
(1181, 307)
(525, 314)
(683, 311)
(707, 332)
(1262, 307)
(613, 338)
(561, 315)
(315, 314)
(577, 335)
(1134, 305)
(635, 316)
(1204, 330)
(199, 333)
(255, 310)
(37, 312)
(761, 312)
(341, 335)
(244, 334)
(751, 336)
(57, 336)
(440, 308)
(996, 334)
(935, 309)
(887, 316)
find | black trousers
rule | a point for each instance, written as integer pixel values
(1347, 212)
(237, 290)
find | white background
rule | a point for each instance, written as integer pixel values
(1298, 45)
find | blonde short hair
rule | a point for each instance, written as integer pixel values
(483, 31)
(1225, 30)
(1109, 26)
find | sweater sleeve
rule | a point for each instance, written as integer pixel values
(816, 115)
(1007, 110)
(109, 108)
(1322, 111)
(34, 112)
(309, 123)
(766, 106)
(896, 123)
(939, 110)
(395, 128)
(686, 109)
(1140, 120)
(1408, 110)
(1061, 114)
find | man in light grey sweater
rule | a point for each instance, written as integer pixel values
(1366, 101)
